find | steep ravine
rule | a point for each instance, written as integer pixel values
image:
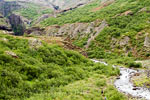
(124, 85)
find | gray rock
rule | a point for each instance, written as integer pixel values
(147, 40)
(4, 39)
(35, 43)
(11, 54)
(124, 41)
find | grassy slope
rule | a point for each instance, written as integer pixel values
(32, 11)
(119, 26)
(48, 72)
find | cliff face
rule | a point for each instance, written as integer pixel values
(17, 24)
(6, 7)
(8, 20)
(1, 6)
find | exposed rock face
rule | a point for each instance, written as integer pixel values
(124, 41)
(35, 43)
(14, 22)
(1, 6)
(44, 17)
(75, 30)
(145, 9)
(147, 40)
(127, 13)
(97, 30)
(17, 24)
(4, 24)
(6, 7)
(35, 31)
(71, 31)
(11, 54)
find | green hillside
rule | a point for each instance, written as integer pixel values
(125, 18)
(47, 67)
(48, 72)
(33, 11)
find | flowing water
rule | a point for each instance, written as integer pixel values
(124, 85)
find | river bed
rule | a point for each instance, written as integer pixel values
(124, 85)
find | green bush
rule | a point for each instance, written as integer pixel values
(37, 70)
(134, 65)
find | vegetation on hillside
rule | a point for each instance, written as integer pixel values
(124, 17)
(32, 11)
(50, 72)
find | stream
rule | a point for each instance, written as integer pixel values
(124, 85)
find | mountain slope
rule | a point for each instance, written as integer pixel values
(36, 66)
(63, 4)
(127, 33)
(32, 69)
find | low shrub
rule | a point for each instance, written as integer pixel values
(134, 64)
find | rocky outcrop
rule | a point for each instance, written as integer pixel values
(2, 6)
(14, 22)
(45, 16)
(145, 9)
(126, 13)
(124, 41)
(35, 43)
(6, 7)
(73, 31)
(17, 24)
(5, 28)
(147, 40)
(14, 55)
(4, 24)
(35, 31)
(97, 30)
(129, 12)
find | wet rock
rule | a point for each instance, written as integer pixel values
(11, 54)
(137, 74)
(135, 88)
(118, 78)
